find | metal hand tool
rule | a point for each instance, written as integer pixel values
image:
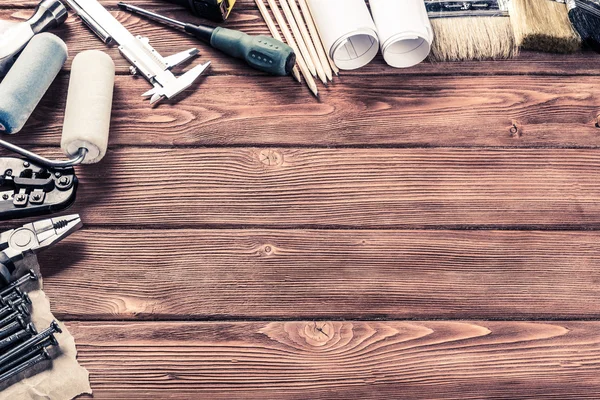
(32, 238)
(144, 58)
(263, 53)
(27, 189)
(47, 15)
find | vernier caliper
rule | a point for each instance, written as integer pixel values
(144, 59)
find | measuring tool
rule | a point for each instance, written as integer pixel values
(144, 59)
(263, 53)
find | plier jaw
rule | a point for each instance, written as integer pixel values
(31, 238)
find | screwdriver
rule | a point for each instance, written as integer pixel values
(263, 53)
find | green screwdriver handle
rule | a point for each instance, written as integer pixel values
(260, 52)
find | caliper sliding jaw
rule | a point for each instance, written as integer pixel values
(27, 189)
(144, 59)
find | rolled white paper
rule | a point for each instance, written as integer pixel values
(347, 31)
(404, 31)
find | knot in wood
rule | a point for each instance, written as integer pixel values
(318, 333)
(514, 130)
(270, 157)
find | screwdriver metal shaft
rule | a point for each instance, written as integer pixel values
(263, 53)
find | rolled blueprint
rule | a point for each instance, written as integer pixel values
(347, 31)
(404, 31)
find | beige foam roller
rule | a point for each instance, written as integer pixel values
(89, 103)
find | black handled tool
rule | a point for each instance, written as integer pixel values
(260, 52)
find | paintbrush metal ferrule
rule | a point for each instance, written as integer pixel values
(468, 8)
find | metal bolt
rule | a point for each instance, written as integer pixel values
(64, 180)
(28, 332)
(11, 296)
(57, 174)
(133, 70)
(36, 197)
(26, 164)
(31, 276)
(19, 349)
(20, 197)
(25, 365)
(33, 350)
(13, 327)
(20, 311)
(5, 196)
(12, 304)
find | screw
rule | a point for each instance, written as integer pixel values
(20, 311)
(12, 296)
(25, 365)
(31, 276)
(33, 350)
(11, 306)
(57, 174)
(26, 164)
(20, 197)
(5, 197)
(64, 180)
(36, 197)
(13, 327)
(28, 332)
(15, 351)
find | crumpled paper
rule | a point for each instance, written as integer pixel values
(61, 378)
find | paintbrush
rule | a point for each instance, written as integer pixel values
(470, 30)
(543, 25)
(585, 18)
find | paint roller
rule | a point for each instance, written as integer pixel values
(89, 99)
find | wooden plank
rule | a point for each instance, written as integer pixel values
(367, 360)
(416, 112)
(302, 274)
(367, 188)
(166, 41)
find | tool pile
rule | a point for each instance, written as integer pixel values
(21, 346)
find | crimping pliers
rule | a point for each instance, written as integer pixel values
(31, 238)
(27, 189)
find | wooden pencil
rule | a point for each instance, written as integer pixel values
(315, 35)
(321, 71)
(312, 85)
(275, 33)
(298, 36)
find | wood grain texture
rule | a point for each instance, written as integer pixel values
(366, 188)
(300, 274)
(342, 360)
(247, 18)
(414, 112)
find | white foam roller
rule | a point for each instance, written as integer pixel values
(89, 103)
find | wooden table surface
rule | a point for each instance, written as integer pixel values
(422, 233)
